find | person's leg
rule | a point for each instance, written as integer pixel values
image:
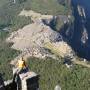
(18, 82)
(20, 70)
(15, 70)
(14, 77)
(26, 69)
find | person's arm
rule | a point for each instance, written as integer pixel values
(17, 64)
(25, 64)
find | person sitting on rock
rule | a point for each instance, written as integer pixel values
(21, 65)
(21, 68)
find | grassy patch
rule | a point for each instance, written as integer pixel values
(53, 72)
(19, 22)
(52, 48)
(46, 6)
(2, 2)
(6, 55)
(9, 11)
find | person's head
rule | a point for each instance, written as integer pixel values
(21, 59)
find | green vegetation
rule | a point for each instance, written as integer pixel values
(52, 48)
(9, 16)
(19, 22)
(6, 55)
(46, 6)
(53, 72)
(9, 10)
(2, 2)
(9, 19)
(58, 24)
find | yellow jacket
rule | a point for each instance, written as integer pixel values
(21, 64)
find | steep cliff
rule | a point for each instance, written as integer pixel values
(78, 34)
